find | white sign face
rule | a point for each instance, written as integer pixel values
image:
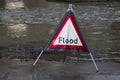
(68, 35)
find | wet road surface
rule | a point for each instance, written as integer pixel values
(54, 70)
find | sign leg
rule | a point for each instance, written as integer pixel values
(94, 62)
(38, 58)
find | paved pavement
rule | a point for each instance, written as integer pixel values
(52, 70)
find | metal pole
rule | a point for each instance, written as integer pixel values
(38, 58)
(94, 62)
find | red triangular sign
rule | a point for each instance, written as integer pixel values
(68, 35)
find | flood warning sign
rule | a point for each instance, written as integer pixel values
(68, 35)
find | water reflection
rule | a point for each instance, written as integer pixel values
(14, 4)
(17, 4)
(35, 34)
(34, 3)
(17, 30)
(114, 37)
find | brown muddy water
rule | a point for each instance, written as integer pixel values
(26, 26)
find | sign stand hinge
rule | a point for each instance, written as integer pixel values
(70, 8)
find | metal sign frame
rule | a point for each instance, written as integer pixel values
(70, 10)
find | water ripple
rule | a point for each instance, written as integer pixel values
(52, 14)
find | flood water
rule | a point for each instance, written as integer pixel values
(28, 24)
